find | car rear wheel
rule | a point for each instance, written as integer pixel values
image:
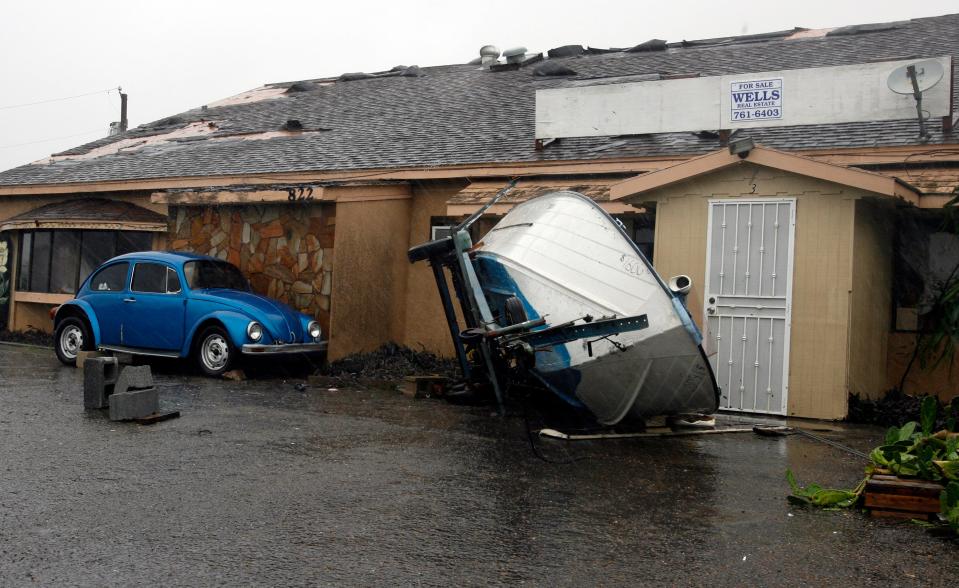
(214, 351)
(71, 337)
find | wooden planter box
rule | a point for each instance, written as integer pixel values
(902, 498)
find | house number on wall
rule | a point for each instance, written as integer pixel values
(299, 194)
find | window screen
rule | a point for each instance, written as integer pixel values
(59, 261)
(65, 262)
(23, 272)
(149, 277)
(40, 262)
(133, 241)
(110, 278)
(98, 246)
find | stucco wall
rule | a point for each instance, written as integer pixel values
(425, 323)
(285, 250)
(821, 275)
(369, 293)
(942, 381)
(871, 297)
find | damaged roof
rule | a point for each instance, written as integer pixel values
(412, 117)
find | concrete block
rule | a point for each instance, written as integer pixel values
(135, 404)
(99, 379)
(123, 358)
(82, 356)
(134, 378)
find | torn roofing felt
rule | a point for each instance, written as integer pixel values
(412, 117)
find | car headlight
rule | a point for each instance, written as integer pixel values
(313, 329)
(254, 331)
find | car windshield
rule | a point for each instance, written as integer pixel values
(207, 273)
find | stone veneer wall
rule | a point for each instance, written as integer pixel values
(285, 250)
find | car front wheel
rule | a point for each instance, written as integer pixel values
(70, 339)
(214, 352)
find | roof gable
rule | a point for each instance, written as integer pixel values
(631, 189)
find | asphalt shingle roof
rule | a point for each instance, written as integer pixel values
(461, 114)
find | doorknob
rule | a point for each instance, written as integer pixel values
(711, 309)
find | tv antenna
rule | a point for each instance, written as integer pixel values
(916, 78)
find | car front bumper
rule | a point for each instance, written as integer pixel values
(260, 349)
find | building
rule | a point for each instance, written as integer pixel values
(317, 188)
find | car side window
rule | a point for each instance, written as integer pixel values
(172, 281)
(110, 278)
(149, 277)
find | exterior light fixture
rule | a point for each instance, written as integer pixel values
(741, 147)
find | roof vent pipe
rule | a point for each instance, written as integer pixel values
(489, 54)
(515, 55)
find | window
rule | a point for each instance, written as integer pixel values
(441, 227)
(155, 278)
(926, 257)
(40, 263)
(59, 261)
(172, 281)
(23, 272)
(213, 274)
(149, 277)
(65, 262)
(110, 278)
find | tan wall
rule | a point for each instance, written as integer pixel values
(369, 293)
(821, 276)
(871, 298)
(425, 323)
(942, 381)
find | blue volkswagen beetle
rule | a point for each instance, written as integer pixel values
(178, 305)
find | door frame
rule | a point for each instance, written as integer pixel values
(790, 262)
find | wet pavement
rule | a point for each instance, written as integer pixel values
(267, 482)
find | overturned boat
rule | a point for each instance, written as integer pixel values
(557, 295)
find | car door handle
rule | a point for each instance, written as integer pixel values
(129, 299)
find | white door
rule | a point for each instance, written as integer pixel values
(748, 297)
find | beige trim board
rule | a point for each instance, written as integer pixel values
(226, 197)
(359, 193)
(501, 209)
(934, 201)
(42, 297)
(865, 180)
(26, 225)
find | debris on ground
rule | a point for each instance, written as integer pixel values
(894, 409)
(917, 459)
(30, 336)
(391, 362)
(235, 375)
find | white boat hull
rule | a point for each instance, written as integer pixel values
(566, 259)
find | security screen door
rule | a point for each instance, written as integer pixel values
(748, 297)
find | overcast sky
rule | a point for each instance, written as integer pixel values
(174, 55)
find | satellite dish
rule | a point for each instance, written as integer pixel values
(928, 74)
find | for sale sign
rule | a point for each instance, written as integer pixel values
(756, 99)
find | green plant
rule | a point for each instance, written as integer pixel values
(816, 495)
(949, 505)
(920, 454)
(912, 450)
